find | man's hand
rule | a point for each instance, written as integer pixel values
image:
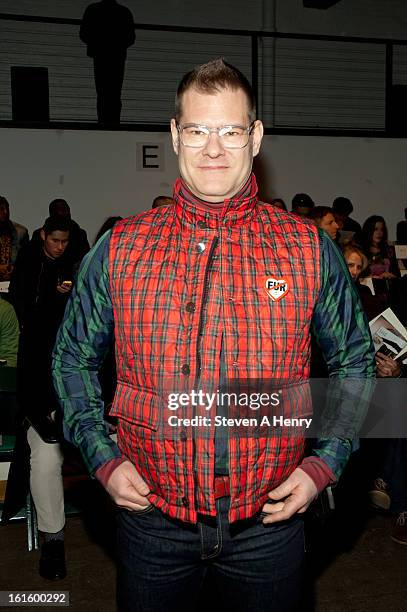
(386, 366)
(293, 495)
(5, 271)
(127, 488)
(64, 287)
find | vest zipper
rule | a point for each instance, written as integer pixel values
(203, 304)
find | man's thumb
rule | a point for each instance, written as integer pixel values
(281, 491)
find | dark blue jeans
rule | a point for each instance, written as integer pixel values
(162, 562)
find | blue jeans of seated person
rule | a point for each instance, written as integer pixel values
(162, 562)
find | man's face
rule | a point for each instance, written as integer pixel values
(4, 212)
(329, 224)
(302, 211)
(212, 172)
(55, 243)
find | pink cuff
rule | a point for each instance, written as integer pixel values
(106, 470)
(318, 470)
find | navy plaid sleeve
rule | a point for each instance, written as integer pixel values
(83, 340)
(343, 334)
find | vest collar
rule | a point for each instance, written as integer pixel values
(237, 210)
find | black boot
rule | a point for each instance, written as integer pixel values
(52, 562)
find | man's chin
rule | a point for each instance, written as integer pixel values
(215, 192)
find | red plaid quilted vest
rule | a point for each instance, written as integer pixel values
(185, 281)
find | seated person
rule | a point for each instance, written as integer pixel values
(107, 225)
(323, 217)
(162, 201)
(302, 204)
(357, 266)
(342, 208)
(13, 237)
(401, 230)
(390, 456)
(381, 256)
(9, 333)
(279, 203)
(39, 289)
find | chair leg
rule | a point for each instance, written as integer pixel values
(28, 514)
(32, 525)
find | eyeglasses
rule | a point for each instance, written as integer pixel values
(231, 136)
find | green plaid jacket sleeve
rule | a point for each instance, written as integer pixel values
(343, 334)
(82, 343)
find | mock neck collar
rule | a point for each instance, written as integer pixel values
(237, 210)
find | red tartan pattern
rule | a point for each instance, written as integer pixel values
(156, 270)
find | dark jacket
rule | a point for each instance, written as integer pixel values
(40, 309)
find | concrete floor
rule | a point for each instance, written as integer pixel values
(352, 564)
(371, 576)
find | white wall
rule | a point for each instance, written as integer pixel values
(96, 172)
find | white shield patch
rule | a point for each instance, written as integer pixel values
(276, 288)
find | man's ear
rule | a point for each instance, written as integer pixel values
(258, 132)
(42, 234)
(175, 136)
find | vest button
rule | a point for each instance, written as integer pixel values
(190, 307)
(186, 369)
(202, 224)
(185, 502)
(200, 247)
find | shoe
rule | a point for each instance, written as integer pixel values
(52, 562)
(378, 496)
(399, 531)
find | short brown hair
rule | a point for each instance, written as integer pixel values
(319, 212)
(213, 77)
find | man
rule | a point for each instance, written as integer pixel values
(162, 201)
(108, 30)
(401, 230)
(206, 289)
(78, 244)
(342, 209)
(324, 219)
(39, 289)
(13, 237)
(302, 205)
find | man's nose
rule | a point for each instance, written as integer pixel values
(214, 145)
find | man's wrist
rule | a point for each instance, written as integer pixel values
(104, 472)
(318, 471)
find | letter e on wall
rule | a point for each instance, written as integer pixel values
(150, 156)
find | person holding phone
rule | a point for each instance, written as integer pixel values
(40, 286)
